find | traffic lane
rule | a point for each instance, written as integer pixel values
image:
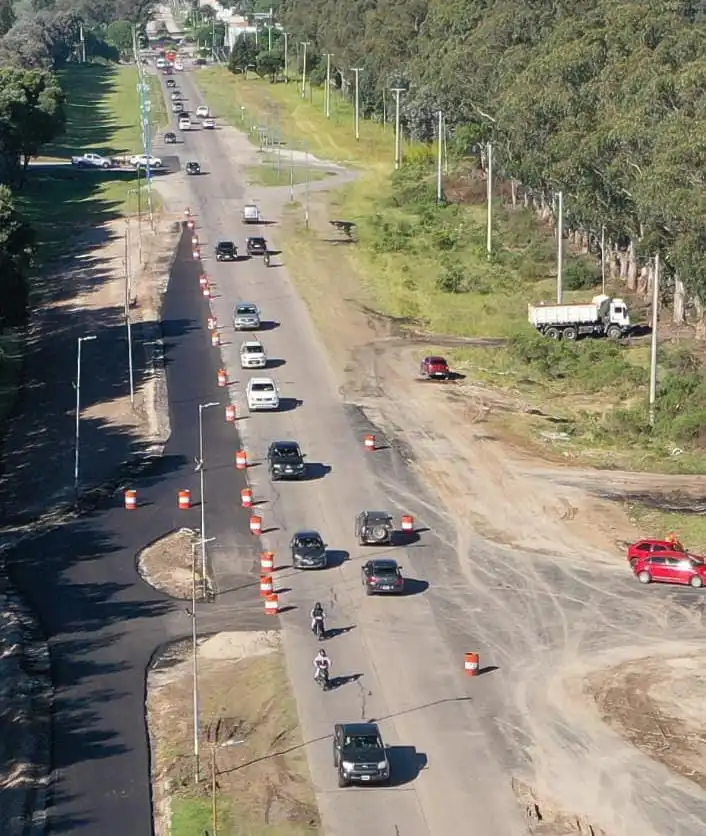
(192, 367)
(322, 426)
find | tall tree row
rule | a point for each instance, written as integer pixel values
(604, 100)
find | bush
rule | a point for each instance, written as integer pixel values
(579, 275)
(452, 279)
(392, 236)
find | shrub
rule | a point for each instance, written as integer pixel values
(579, 275)
(452, 279)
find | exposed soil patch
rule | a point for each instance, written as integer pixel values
(544, 819)
(173, 564)
(657, 704)
(249, 731)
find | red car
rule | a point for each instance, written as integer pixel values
(645, 548)
(672, 568)
(434, 367)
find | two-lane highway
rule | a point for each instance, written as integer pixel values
(393, 660)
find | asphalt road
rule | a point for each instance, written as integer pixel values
(103, 622)
(392, 660)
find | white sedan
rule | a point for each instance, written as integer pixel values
(252, 355)
(262, 393)
(208, 123)
(201, 111)
(143, 160)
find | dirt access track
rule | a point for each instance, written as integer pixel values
(535, 570)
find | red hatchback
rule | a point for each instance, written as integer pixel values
(434, 367)
(645, 548)
(672, 568)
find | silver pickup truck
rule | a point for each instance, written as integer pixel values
(91, 160)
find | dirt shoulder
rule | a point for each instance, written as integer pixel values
(252, 761)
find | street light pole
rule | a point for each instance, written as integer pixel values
(603, 261)
(79, 343)
(128, 324)
(327, 97)
(653, 352)
(397, 91)
(489, 184)
(286, 57)
(560, 250)
(200, 467)
(305, 44)
(440, 161)
(357, 70)
(195, 666)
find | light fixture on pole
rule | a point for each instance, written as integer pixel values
(200, 468)
(489, 186)
(397, 91)
(305, 44)
(357, 70)
(653, 351)
(79, 343)
(327, 96)
(560, 249)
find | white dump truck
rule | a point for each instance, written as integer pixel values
(251, 214)
(601, 317)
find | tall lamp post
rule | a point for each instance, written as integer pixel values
(305, 44)
(397, 91)
(286, 56)
(200, 468)
(79, 343)
(357, 70)
(327, 97)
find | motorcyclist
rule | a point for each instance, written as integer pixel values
(266, 258)
(318, 614)
(322, 663)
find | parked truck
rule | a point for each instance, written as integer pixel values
(91, 160)
(601, 317)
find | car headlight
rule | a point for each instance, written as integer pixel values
(382, 765)
(347, 765)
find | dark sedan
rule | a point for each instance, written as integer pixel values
(170, 138)
(308, 550)
(382, 576)
(226, 251)
(193, 168)
(256, 245)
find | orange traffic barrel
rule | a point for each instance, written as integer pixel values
(131, 500)
(206, 292)
(203, 280)
(184, 500)
(194, 240)
(369, 442)
(230, 413)
(222, 378)
(255, 524)
(196, 255)
(246, 498)
(272, 604)
(267, 561)
(267, 586)
(471, 662)
(215, 338)
(407, 523)
(241, 459)
(190, 224)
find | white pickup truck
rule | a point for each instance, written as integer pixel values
(91, 160)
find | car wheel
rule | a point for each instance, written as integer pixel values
(342, 780)
(106, 165)
(696, 582)
(379, 533)
(644, 577)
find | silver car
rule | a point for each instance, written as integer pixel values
(246, 317)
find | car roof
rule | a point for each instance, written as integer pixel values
(260, 380)
(285, 444)
(256, 237)
(652, 542)
(251, 343)
(226, 244)
(359, 729)
(435, 358)
(384, 563)
(307, 532)
(245, 305)
(193, 162)
(379, 515)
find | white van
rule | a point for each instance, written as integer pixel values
(161, 63)
(184, 123)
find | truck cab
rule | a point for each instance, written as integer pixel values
(613, 312)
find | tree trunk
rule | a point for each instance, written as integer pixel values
(700, 323)
(631, 276)
(679, 307)
(645, 278)
(513, 193)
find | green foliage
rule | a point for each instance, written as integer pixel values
(270, 64)
(16, 249)
(119, 34)
(243, 54)
(579, 274)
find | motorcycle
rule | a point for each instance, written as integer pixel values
(321, 676)
(318, 628)
(266, 259)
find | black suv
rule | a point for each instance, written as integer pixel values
(359, 754)
(374, 528)
(256, 245)
(193, 168)
(170, 138)
(285, 460)
(171, 82)
(226, 251)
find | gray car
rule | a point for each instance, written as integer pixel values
(246, 317)
(308, 550)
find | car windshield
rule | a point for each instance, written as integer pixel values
(362, 741)
(252, 349)
(287, 452)
(225, 245)
(437, 361)
(384, 570)
(258, 242)
(262, 387)
(309, 541)
(246, 310)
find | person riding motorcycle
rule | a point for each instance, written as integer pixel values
(266, 258)
(322, 665)
(318, 614)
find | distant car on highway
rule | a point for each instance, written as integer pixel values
(209, 124)
(382, 576)
(201, 111)
(169, 138)
(171, 82)
(645, 548)
(143, 160)
(253, 355)
(246, 317)
(91, 160)
(178, 66)
(684, 569)
(308, 550)
(262, 393)
(359, 754)
(177, 107)
(226, 251)
(255, 245)
(176, 95)
(434, 367)
(192, 167)
(184, 123)
(285, 460)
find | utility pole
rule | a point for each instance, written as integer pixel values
(397, 91)
(603, 260)
(489, 186)
(201, 468)
(357, 70)
(286, 57)
(306, 201)
(560, 250)
(269, 37)
(213, 40)
(128, 324)
(195, 667)
(440, 161)
(82, 40)
(327, 97)
(653, 354)
(305, 44)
